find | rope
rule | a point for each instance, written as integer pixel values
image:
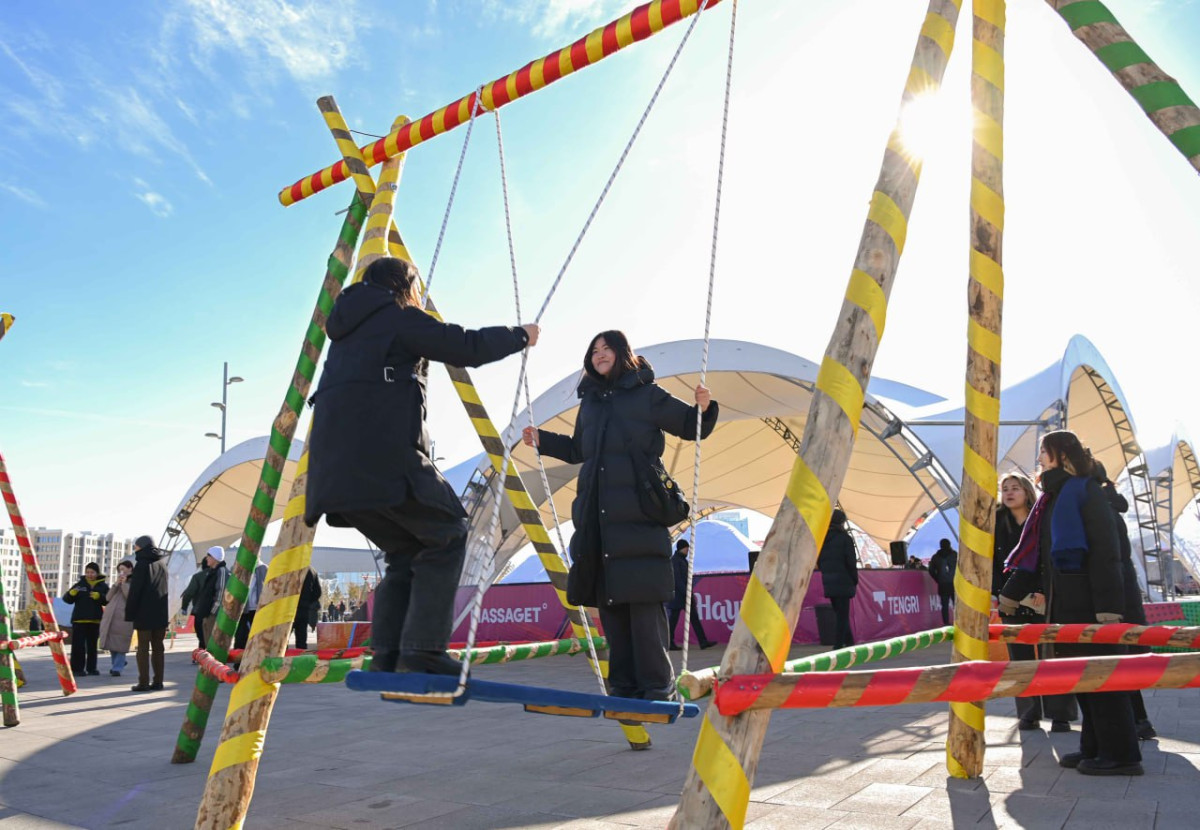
(621, 161)
(462, 156)
(712, 275)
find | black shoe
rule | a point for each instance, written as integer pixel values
(384, 661)
(1027, 724)
(114, 673)
(1072, 759)
(707, 644)
(428, 662)
(94, 673)
(1145, 730)
(1060, 726)
(156, 687)
(141, 687)
(675, 647)
(1094, 766)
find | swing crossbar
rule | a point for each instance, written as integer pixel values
(432, 688)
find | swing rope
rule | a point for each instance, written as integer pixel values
(462, 157)
(712, 275)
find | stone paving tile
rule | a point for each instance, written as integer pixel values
(960, 808)
(1112, 815)
(580, 801)
(790, 817)
(1028, 812)
(383, 813)
(1027, 781)
(1177, 789)
(883, 799)
(1106, 787)
(937, 778)
(858, 821)
(818, 792)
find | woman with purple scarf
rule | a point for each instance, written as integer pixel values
(1069, 551)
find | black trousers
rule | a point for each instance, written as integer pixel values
(84, 638)
(198, 627)
(424, 549)
(697, 627)
(946, 595)
(638, 665)
(150, 654)
(1108, 731)
(843, 636)
(242, 635)
(1055, 707)
(300, 629)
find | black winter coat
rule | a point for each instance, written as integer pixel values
(838, 565)
(1135, 611)
(211, 592)
(87, 608)
(146, 606)
(1008, 533)
(942, 567)
(679, 569)
(1077, 597)
(369, 446)
(633, 552)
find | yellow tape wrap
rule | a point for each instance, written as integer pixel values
(766, 621)
(721, 773)
(984, 407)
(987, 272)
(980, 470)
(238, 750)
(988, 64)
(866, 293)
(986, 342)
(887, 214)
(987, 203)
(247, 690)
(808, 496)
(939, 30)
(979, 599)
(836, 381)
(970, 714)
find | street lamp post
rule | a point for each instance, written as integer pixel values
(223, 405)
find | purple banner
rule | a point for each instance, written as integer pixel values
(888, 603)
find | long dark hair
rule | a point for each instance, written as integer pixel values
(626, 360)
(398, 276)
(1064, 447)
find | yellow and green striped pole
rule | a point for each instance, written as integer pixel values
(985, 304)
(526, 511)
(6, 321)
(8, 667)
(717, 788)
(282, 431)
(1157, 93)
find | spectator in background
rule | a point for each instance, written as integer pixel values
(253, 596)
(679, 564)
(116, 633)
(89, 596)
(147, 610)
(942, 567)
(188, 597)
(308, 608)
(331, 612)
(212, 591)
(838, 563)
(341, 609)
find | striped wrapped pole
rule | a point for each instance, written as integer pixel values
(980, 680)
(489, 436)
(695, 685)
(308, 668)
(282, 431)
(1123, 634)
(214, 668)
(6, 321)
(985, 306)
(1157, 93)
(31, 641)
(637, 25)
(718, 785)
(37, 587)
(232, 776)
(8, 667)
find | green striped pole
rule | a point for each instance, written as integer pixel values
(694, 686)
(8, 667)
(282, 431)
(1157, 93)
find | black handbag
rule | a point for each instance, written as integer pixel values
(659, 497)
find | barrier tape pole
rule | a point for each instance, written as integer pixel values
(1125, 634)
(985, 305)
(31, 641)
(717, 788)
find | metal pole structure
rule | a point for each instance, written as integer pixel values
(717, 788)
(224, 402)
(985, 305)
(637, 25)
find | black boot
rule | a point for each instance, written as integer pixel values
(427, 662)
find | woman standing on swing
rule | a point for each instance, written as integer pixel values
(621, 557)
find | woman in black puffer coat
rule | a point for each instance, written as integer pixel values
(622, 559)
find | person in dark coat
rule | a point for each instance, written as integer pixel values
(188, 597)
(307, 608)
(89, 596)
(679, 568)
(1135, 612)
(1017, 497)
(838, 563)
(370, 462)
(621, 559)
(147, 608)
(212, 591)
(942, 567)
(1072, 532)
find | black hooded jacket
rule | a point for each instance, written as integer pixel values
(610, 528)
(369, 446)
(146, 606)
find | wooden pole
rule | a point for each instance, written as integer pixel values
(985, 304)
(726, 756)
(1157, 93)
(1123, 634)
(6, 321)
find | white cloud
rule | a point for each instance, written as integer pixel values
(157, 203)
(24, 194)
(556, 19)
(35, 384)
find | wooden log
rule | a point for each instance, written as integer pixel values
(1157, 93)
(31, 641)
(977, 680)
(718, 785)
(985, 305)
(6, 321)
(1124, 634)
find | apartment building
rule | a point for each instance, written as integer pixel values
(13, 573)
(63, 554)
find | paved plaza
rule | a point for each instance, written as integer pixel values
(336, 758)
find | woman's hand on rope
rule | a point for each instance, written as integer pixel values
(530, 436)
(533, 330)
(703, 397)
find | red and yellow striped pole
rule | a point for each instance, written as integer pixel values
(718, 785)
(985, 305)
(635, 26)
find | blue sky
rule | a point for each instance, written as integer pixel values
(143, 147)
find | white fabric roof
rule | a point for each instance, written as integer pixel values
(1177, 459)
